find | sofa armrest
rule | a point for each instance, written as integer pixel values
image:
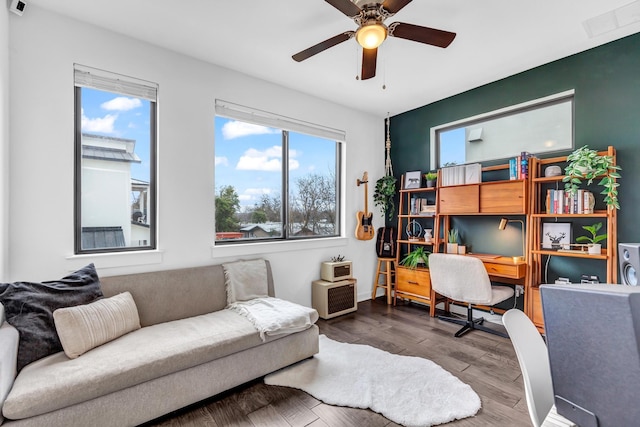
(8, 359)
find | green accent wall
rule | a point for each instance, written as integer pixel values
(606, 80)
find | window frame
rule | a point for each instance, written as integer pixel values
(286, 125)
(153, 159)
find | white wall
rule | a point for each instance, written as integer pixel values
(4, 143)
(43, 48)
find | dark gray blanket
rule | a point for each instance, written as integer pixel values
(29, 308)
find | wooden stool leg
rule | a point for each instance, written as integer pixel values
(376, 281)
(388, 282)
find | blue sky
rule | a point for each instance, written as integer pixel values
(248, 157)
(452, 146)
(109, 114)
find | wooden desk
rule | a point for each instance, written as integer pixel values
(503, 267)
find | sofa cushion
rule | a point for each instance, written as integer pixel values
(144, 354)
(84, 327)
(245, 280)
(29, 308)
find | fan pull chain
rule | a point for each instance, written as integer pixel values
(357, 62)
(384, 70)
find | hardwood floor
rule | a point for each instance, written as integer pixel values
(486, 362)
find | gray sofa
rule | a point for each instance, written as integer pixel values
(190, 347)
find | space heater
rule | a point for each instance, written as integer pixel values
(333, 299)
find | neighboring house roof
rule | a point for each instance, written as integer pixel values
(267, 227)
(109, 154)
(109, 148)
(102, 237)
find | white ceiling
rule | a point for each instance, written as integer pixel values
(495, 39)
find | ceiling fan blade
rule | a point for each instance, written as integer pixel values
(420, 34)
(346, 7)
(307, 53)
(394, 6)
(369, 59)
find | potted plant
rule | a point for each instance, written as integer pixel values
(384, 194)
(452, 241)
(416, 257)
(594, 246)
(587, 164)
(430, 178)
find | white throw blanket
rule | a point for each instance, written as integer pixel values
(273, 316)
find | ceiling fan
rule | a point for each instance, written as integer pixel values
(370, 16)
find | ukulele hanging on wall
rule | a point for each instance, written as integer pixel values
(364, 229)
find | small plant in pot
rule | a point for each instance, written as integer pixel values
(452, 241)
(587, 164)
(595, 239)
(384, 193)
(430, 178)
(415, 258)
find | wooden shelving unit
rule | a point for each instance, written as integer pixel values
(539, 185)
(415, 284)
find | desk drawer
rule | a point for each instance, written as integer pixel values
(503, 270)
(413, 281)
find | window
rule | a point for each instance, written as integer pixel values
(538, 126)
(115, 162)
(276, 178)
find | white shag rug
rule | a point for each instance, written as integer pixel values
(408, 390)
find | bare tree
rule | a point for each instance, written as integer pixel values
(313, 205)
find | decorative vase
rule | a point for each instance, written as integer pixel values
(427, 235)
(595, 249)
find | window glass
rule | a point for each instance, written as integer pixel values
(115, 170)
(273, 183)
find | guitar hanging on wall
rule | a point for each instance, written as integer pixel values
(364, 229)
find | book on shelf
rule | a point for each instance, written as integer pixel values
(565, 202)
(421, 206)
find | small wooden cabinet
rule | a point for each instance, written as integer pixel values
(459, 199)
(502, 197)
(415, 285)
(491, 198)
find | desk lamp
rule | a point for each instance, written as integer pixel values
(503, 225)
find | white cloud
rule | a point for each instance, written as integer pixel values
(121, 103)
(99, 124)
(222, 161)
(268, 160)
(257, 191)
(235, 129)
(244, 197)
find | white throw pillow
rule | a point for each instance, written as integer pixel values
(246, 280)
(84, 327)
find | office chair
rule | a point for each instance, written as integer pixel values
(534, 364)
(464, 278)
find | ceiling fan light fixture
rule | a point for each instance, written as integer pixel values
(370, 36)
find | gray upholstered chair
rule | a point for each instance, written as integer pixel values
(464, 279)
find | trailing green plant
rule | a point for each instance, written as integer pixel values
(417, 256)
(384, 193)
(595, 237)
(452, 236)
(587, 164)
